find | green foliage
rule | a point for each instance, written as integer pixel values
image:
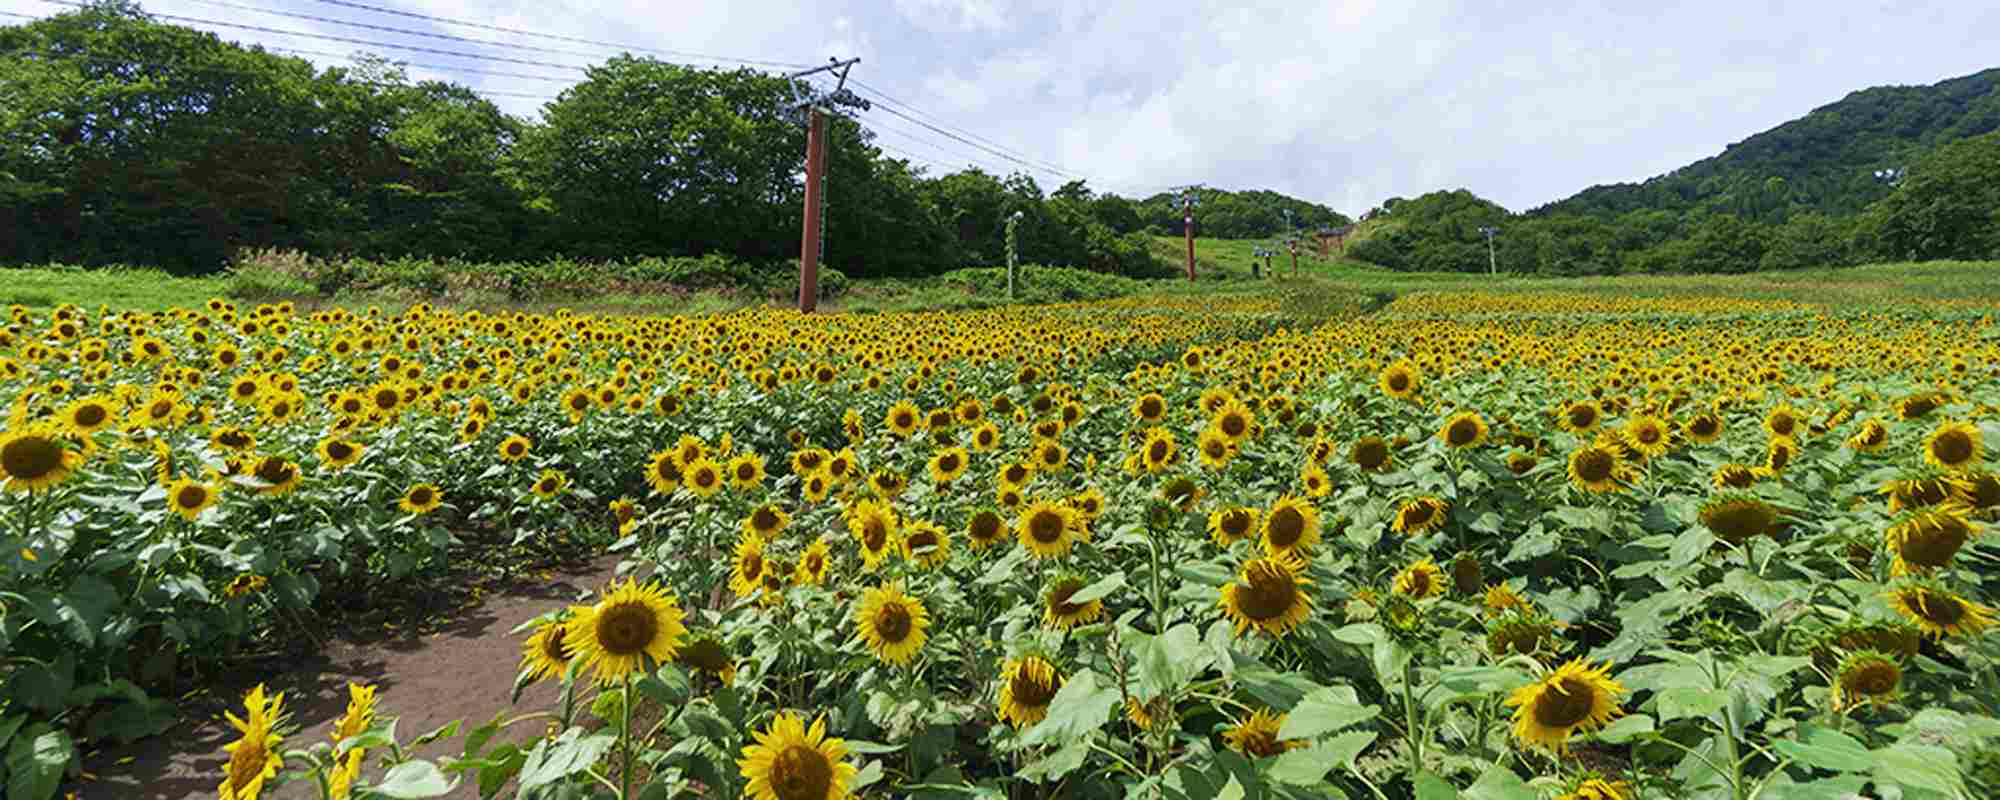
(1947, 207)
(1237, 215)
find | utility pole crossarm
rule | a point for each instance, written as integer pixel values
(812, 237)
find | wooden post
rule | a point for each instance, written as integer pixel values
(809, 238)
(1187, 227)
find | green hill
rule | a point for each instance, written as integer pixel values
(1837, 159)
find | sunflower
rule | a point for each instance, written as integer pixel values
(1573, 697)
(34, 458)
(360, 714)
(1899, 638)
(549, 484)
(1519, 463)
(1150, 408)
(1736, 517)
(1257, 735)
(230, 437)
(1979, 490)
(1778, 455)
(703, 477)
(1232, 525)
(278, 476)
(1927, 539)
(1290, 527)
(891, 623)
(1580, 417)
(1400, 380)
(985, 528)
(1059, 612)
(986, 437)
(421, 498)
(189, 498)
(1938, 611)
(903, 418)
(1866, 676)
(1467, 576)
(746, 471)
(704, 652)
(1704, 428)
(631, 627)
(544, 655)
(791, 762)
(1419, 515)
(1046, 529)
(1420, 580)
(1370, 453)
(1465, 429)
(515, 448)
(663, 473)
(1919, 491)
(747, 565)
(1089, 503)
(1783, 422)
(87, 415)
(925, 544)
(1870, 438)
(814, 564)
(1050, 456)
(1214, 448)
(888, 482)
(1159, 451)
(1647, 435)
(1027, 686)
(1595, 469)
(947, 464)
(1269, 595)
(254, 758)
(874, 527)
(1917, 406)
(765, 521)
(777, 575)
(1954, 445)
(1233, 420)
(1732, 476)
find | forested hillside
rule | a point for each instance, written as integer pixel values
(123, 140)
(1835, 160)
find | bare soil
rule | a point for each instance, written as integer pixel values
(459, 664)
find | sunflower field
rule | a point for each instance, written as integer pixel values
(1490, 546)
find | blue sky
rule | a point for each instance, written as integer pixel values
(1340, 102)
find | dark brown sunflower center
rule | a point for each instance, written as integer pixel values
(90, 415)
(1046, 527)
(339, 451)
(1647, 434)
(1780, 456)
(1029, 691)
(31, 457)
(705, 654)
(387, 399)
(1398, 381)
(1014, 474)
(893, 623)
(746, 472)
(160, 409)
(1953, 447)
(1783, 424)
(665, 469)
(1466, 576)
(1151, 407)
(1594, 465)
(948, 463)
(1287, 527)
(764, 518)
(1565, 704)
(1233, 424)
(552, 645)
(1522, 639)
(1267, 592)
(516, 449)
(904, 421)
(1873, 678)
(1420, 583)
(546, 486)
(874, 535)
(922, 539)
(1157, 451)
(1371, 453)
(1418, 514)
(626, 628)
(801, 773)
(273, 470)
(1461, 432)
(1215, 448)
(706, 477)
(191, 496)
(985, 526)
(422, 496)
(1237, 523)
(1705, 425)
(1582, 416)
(1932, 544)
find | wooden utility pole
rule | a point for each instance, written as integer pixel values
(809, 242)
(811, 237)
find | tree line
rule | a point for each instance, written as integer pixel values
(125, 140)
(1945, 205)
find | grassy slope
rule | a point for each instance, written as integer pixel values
(1223, 266)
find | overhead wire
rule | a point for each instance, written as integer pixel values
(229, 71)
(562, 38)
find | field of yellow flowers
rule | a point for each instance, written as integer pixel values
(1489, 546)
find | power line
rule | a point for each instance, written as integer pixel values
(561, 38)
(347, 40)
(437, 67)
(528, 48)
(119, 61)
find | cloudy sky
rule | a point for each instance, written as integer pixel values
(1344, 102)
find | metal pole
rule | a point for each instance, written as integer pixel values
(1187, 227)
(809, 246)
(1012, 252)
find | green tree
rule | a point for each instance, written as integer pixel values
(1947, 206)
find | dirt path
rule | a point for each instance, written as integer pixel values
(462, 668)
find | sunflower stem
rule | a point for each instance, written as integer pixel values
(1415, 733)
(625, 738)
